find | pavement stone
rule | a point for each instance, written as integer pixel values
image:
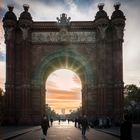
(65, 131)
(9, 132)
(115, 131)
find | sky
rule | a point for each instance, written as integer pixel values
(83, 10)
(63, 91)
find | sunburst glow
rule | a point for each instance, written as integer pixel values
(63, 90)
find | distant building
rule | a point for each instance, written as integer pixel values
(63, 111)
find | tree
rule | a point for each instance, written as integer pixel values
(75, 113)
(132, 92)
(132, 101)
(50, 112)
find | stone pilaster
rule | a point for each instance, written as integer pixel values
(102, 24)
(23, 68)
(37, 102)
(9, 24)
(118, 24)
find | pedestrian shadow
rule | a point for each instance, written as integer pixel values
(84, 138)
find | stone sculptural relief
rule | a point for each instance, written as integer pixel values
(63, 36)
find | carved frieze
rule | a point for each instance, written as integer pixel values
(63, 36)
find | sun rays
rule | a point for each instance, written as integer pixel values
(67, 62)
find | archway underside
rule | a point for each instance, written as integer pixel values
(66, 61)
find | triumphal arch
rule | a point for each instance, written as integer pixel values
(92, 49)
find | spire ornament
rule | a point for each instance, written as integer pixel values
(25, 21)
(101, 20)
(118, 20)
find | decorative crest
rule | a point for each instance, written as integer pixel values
(63, 20)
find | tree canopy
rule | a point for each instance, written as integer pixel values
(132, 92)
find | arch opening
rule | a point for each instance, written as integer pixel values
(62, 59)
(63, 91)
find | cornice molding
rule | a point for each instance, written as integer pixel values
(73, 25)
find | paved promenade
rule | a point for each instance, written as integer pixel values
(14, 131)
(115, 131)
(64, 131)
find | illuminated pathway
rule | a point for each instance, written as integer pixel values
(66, 131)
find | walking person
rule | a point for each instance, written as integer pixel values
(59, 120)
(51, 119)
(45, 125)
(126, 129)
(84, 124)
(79, 122)
(76, 120)
(68, 121)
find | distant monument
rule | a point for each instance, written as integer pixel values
(35, 49)
(63, 111)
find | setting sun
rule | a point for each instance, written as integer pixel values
(63, 90)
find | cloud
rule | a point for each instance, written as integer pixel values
(68, 90)
(61, 100)
(86, 10)
(2, 11)
(76, 79)
(51, 85)
(63, 90)
(2, 45)
(63, 79)
(63, 95)
(49, 10)
(131, 47)
(40, 10)
(2, 56)
(2, 74)
(68, 105)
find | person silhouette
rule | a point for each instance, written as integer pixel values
(44, 125)
(126, 128)
(84, 124)
(51, 119)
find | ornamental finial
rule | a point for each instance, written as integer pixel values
(117, 5)
(101, 6)
(26, 7)
(10, 7)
